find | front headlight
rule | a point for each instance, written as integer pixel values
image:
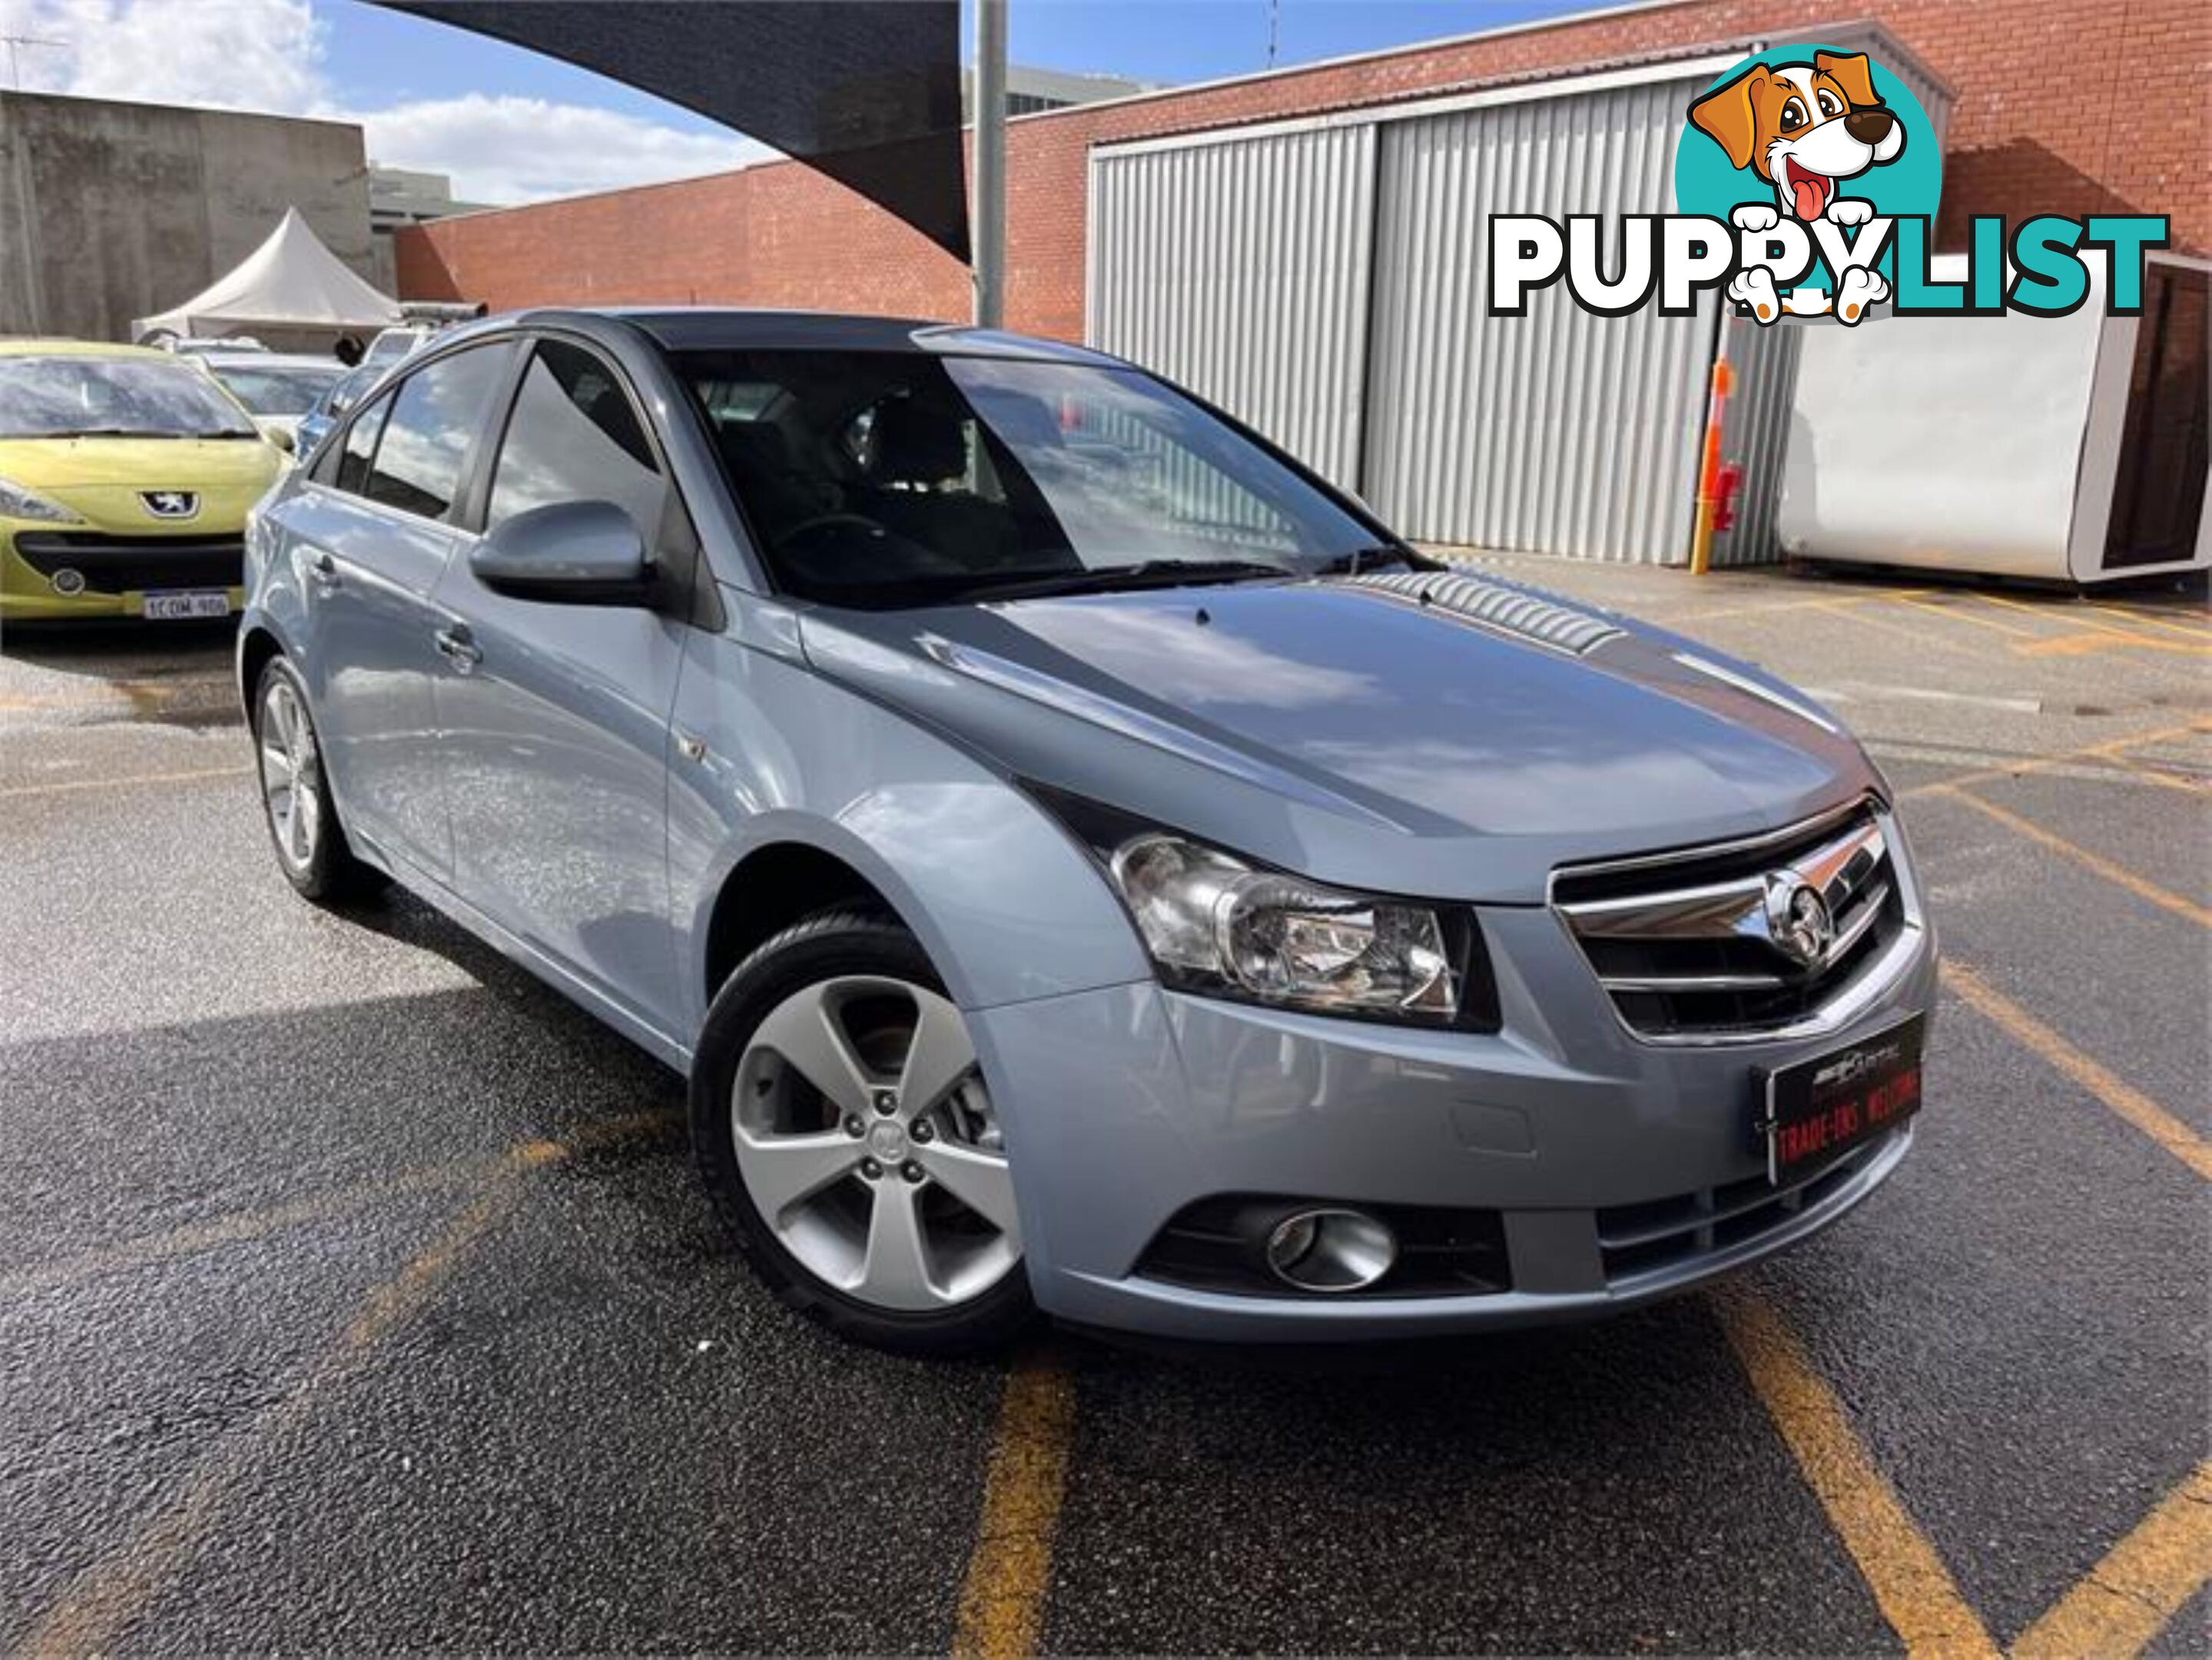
(1211, 920)
(1223, 925)
(16, 502)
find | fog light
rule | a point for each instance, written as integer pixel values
(1330, 1250)
(67, 581)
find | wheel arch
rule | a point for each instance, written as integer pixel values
(257, 644)
(1001, 916)
(773, 886)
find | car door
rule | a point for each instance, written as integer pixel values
(556, 715)
(375, 535)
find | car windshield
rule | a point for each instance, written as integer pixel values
(69, 397)
(291, 389)
(881, 479)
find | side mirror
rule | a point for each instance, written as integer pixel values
(282, 438)
(576, 553)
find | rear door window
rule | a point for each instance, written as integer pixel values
(359, 450)
(436, 416)
(574, 436)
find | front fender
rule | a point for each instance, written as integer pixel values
(1007, 906)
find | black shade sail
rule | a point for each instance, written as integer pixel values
(866, 91)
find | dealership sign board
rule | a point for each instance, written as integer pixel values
(1808, 179)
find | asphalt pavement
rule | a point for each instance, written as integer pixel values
(356, 1294)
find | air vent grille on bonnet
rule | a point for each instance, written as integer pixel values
(1494, 605)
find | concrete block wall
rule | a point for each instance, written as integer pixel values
(2059, 109)
(113, 211)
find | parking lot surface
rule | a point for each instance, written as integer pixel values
(355, 1292)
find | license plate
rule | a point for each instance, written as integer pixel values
(177, 604)
(1819, 1109)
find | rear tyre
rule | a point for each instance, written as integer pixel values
(843, 1129)
(295, 793)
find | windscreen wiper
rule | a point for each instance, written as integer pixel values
(1146, 573)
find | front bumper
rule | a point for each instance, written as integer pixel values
(1618, 1170)
(110, 574)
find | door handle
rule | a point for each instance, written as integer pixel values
(458, 647)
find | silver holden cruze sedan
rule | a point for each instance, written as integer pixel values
(1083, 862)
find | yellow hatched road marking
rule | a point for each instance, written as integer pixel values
(2070, 616)
(2121, 1097)
(241, 1226)
(1920, 637)
(1913, 1589)
(2095, 863)
(1002, 1598)
(2085, 645)
(2125, 1600)
(105, 1601)
(125, 782)
(101, 1604)
(2201, 630)
(1960, 613)
(232, 1230)
(1822, 602)
(2111, 748)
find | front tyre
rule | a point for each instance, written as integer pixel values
(295, 793)
(844, 1130)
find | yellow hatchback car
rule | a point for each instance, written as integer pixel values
(125, 477)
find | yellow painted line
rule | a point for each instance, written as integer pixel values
(2129, 1597)
(2188, 630)
(2110, 749)
(2069, 615)
(2095, 863)
(1959, 613)
(1911, 1585)
(1823, 602)
(125, 782)
(242, 1226)
(103, 1602)
(1918, 636)
(2122, 1097)
(101, 1606)
(2085, 645)
(1002, 1598)
(232, 1230)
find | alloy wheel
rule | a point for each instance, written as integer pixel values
(291, 773)
(866, 1138)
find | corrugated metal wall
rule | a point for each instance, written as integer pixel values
(1240, 269)
(1558, 432)
(1323, 282)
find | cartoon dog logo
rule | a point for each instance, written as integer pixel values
(1803, 129)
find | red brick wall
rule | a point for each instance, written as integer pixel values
(2060, 109)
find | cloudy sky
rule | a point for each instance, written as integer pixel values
(512, 127)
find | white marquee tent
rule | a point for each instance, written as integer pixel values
(290, 285)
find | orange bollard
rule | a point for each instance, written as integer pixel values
(1708, 473)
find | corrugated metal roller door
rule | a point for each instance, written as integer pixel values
(1558, 432)
(1240, 269)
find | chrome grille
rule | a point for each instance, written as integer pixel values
(1743, 940)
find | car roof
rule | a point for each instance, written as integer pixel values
(270, 360)
(709, 328)
(55, 348)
